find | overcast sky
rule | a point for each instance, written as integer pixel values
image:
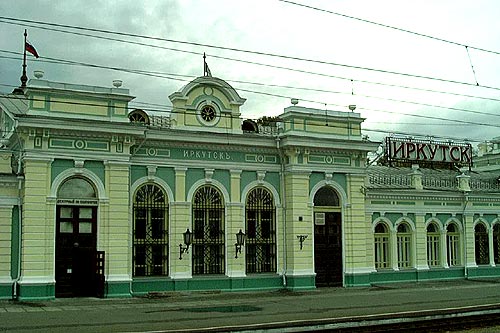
(271, 26)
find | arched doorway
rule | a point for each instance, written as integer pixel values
(327, 238)
(76, 239)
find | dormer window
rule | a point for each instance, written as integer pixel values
(138, 116)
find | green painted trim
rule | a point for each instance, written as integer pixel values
(246, 178)
(118, 289)
(168, 175)
(274, 179)
(393, 217)
(357, 280)
(79, 144)
(314, 178)
(438, 274)
(224, 177)
(306, 282)
(6, 291)
(483, 271)
(380, 202)
(254, 282)
(58, 166)
(136, 172)
(96, 167)
(46, 100)
(31, 292)
(192, 176)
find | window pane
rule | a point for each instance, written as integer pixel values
(85, 227)
(66, 227)
(85, 213)
(76, 188)
(66, 212)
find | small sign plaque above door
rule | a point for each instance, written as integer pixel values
(319, 218)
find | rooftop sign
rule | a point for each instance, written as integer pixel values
(409, 149)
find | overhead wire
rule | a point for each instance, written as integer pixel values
(269, 65)
(269, 94)
(17, 21)
(390, 27)
(176, 77)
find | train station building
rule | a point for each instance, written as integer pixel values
(98, 199)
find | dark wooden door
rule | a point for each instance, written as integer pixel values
(328, 249)
(76, 242)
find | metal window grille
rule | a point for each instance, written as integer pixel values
(496, 243)
(433, 249)
(482, 248)
(381, 239)
(261, 232)
(404, 259)
(453, 243)
(150, 235)
(208, 231)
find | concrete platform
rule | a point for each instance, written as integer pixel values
(276, 311)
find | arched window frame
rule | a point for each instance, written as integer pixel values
(453, 247)
(433, 244)
(496, 242)
(481, 243)
(150, 231)
(208, 244)
(404, 245)
(260, 228)
(382, 253)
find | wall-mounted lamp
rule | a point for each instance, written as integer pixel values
(301, 239)
(240, 240)
(188, 237)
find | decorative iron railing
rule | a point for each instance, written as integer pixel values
(393, 180)
(433, 182)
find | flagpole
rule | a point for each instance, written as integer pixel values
(204, 64)
(24, 78)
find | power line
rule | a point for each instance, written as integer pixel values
(257, 63)
(390, 27)
(3, 18)
(173, 76)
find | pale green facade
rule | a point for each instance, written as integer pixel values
(58, 132)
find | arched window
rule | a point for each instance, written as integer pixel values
(404, 245)
(433, 245)
(138, 116)
(453, 245)
(76, 188)
(260, 231)
(150, 235)
(496, 243)
(482, 248)
(208, 231)
(381, 239)
(326, 196)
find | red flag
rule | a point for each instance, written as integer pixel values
(31, 49)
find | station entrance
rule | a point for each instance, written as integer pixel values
(328, 255)
(78, 264)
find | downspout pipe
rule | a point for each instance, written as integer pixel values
(20, 179)
(466, 202)
(283, 207)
